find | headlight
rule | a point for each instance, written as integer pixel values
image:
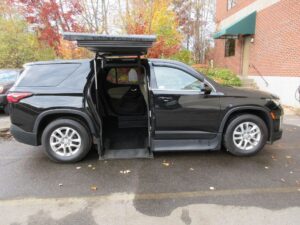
(1, 89)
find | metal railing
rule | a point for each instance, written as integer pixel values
(259, 73)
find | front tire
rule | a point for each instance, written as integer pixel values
(66, 141)
(245, 135)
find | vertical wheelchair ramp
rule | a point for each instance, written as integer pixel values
(126, 144)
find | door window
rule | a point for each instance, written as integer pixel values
(168, 78)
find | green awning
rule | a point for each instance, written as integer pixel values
(245, 26)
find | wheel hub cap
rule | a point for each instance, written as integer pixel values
(65, 141)
(246, 135)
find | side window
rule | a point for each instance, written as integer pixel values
(48, 75)
(123, 75)
(168, 78)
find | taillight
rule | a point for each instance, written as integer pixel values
(17, 96)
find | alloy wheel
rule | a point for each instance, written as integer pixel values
(65, 141)
(246, 136)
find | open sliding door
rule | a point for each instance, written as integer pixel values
(107, 47)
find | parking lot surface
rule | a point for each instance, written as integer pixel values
(173, 188)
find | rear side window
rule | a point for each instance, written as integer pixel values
(45, 75)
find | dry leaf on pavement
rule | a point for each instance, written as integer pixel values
(165, 163)
(125, 171)
(94, 188)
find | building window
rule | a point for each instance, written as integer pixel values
(229, 47)
(231, 4)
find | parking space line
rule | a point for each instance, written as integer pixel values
(157, 196)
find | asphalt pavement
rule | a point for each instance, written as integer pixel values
(172, 188)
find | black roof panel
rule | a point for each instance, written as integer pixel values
(113, 44)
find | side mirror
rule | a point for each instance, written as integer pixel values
(207, 89)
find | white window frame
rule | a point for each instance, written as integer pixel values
(231, 4)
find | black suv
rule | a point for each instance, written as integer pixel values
(130, 107)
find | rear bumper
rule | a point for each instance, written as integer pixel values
(22, 136)
(3, 100)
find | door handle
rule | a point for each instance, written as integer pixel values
(166, 99)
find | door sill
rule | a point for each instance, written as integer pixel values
(136, 153)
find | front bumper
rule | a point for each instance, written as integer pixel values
(277, 131)
(276, 136)
(22, 136)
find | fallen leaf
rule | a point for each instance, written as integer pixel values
(125, 171)
(94, 188)
(212, 188)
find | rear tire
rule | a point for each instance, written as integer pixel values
(245, 135)
(66, 141)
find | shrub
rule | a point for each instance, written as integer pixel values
(19, 46)
(222, 76)
(184, 56)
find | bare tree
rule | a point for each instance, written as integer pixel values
(95, 15)
(204, 18)
(196, 18)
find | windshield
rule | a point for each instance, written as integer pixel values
(8, 76)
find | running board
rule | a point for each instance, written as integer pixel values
(186, 145)
(137, 153)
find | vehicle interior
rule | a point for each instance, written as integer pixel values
(123, 106)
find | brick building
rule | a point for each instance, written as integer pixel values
(260, 39)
